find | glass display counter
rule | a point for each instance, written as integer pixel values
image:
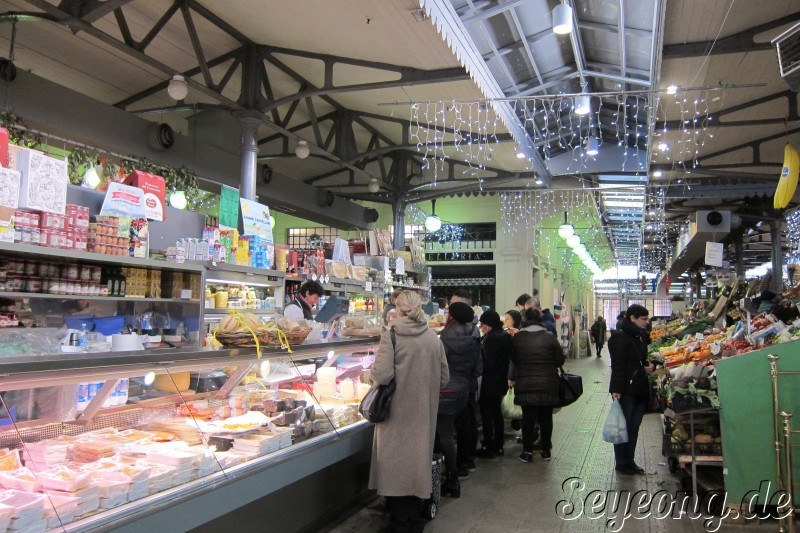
(121, 440)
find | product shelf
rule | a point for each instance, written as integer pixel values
(21, 295)
(49, 254)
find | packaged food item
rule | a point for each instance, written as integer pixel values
(64, 479)
(9, 459)
(21, 479)
(88, 451)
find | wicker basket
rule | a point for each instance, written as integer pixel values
(244, 339)
(295, 336)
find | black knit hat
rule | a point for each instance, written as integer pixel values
(461, 312)
(492, 319)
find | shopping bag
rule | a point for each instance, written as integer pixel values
(570, 388)
(377, 403)
(510, 410)
(615, 430)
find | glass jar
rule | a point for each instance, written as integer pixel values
(85, 273)
(30, 268)
(97, 273)
(33, 284)
(70, 271)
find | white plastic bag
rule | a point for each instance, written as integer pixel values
(510, 410)
(615, 430)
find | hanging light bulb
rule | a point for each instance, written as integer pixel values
(178, 89)
(272, 222)
(374, 186)
(573, 241)
(302, 150)
(562, 19)
(178, 200)
(433, 223)
(565, 230)
(90, 178)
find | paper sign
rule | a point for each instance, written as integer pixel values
(229, 207)
(400, 266)
(368, 286)
(714, 252)
(255, 217)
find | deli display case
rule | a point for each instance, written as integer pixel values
(192, 435)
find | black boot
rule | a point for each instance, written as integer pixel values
(453, 486)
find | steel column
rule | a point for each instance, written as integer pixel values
(250, 123)
(399, 213)
(738, 247)
(777, 261)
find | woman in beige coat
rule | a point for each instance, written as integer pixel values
(402, 448)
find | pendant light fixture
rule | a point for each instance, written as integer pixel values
(573, 241)
(374, 186)
(583, 104)
(178, 89)
(433, 223)
(565, 230)
(178, 200)
(91, 179)
(302, 150)
(562, 18)
(592, 146)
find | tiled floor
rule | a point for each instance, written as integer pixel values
(506, 495)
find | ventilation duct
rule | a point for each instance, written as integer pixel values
(788, 48)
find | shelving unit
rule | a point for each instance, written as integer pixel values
(58, 255)
(39, 295)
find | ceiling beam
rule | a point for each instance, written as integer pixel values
(501, 7)
(715, 119)
(742, 42)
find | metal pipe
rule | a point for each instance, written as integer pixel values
(773, 372)
(787, 431)
(250, 123)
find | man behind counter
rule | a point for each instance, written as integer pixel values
(301, 306)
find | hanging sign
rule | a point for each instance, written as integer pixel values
(229, 207)
(255, 217)
(400, 267)
(714, 252)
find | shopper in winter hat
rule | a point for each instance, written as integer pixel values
(495, 351)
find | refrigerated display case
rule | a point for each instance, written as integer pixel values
(170, 454)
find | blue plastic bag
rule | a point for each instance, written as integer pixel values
(615, 430)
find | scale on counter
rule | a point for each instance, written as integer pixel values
(336, 307)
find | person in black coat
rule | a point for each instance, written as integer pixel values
(464, 361)
(537, 355)
(629, 384)
(598, 331)
(495, 348)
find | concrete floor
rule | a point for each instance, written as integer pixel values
(506, 495)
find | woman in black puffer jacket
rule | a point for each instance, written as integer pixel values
(496, 348)
(464, 361)
(537, 356)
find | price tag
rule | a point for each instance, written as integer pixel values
(400, 266)
(715, 348)
(327, 278)
(368, 286)
(699, 336)
(314, 277)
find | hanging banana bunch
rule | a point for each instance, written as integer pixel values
(787, 185)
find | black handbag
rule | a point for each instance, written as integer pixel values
(570, 388)
(377, 403)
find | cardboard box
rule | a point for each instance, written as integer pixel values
(44, 182)
(10, 180)
(154, 188)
